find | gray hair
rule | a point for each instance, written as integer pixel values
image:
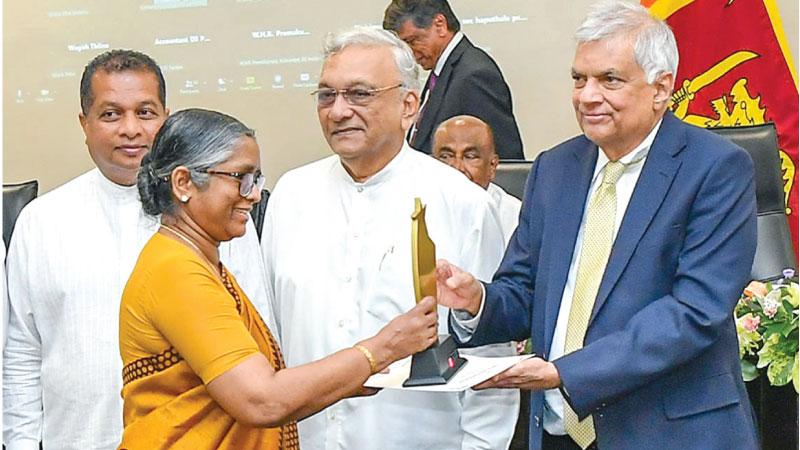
(654, 45)
(407, 67)
(420, 13)
(197, 139)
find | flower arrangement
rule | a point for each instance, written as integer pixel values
(767, 325)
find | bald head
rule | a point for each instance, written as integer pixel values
(467, 143)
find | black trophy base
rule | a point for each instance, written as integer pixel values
(436, 365)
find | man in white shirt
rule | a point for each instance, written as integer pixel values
(337, 246)
(69, 259)
(466, 143)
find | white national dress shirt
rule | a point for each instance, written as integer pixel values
(72, 252)
(506, 208)
(338, 256)
(554, 401)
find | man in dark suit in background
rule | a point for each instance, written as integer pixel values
(463, 78)
(633, 245)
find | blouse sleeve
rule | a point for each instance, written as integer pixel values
(195, 313)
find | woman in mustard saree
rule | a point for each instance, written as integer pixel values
(201, 369)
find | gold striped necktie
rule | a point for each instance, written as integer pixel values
(598, 237)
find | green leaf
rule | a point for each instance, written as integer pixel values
(780, 371)
(749, 370)
(782, 328)
(768, 353)
(794, 295)
(795, 380)
(788, 327)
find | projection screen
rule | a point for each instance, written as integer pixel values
(254, 59)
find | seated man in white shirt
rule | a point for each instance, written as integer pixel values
(467, 144)
(71, 253)
(337, 246)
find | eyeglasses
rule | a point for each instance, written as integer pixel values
(247, 180)
(353, 96)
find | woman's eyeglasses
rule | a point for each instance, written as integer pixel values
(247, 180)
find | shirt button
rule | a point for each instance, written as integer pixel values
(536, 419)
(360, 189)
(341, 324)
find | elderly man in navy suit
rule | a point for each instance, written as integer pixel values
(634, 242)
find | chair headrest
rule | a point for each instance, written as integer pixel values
(512, 175)
(15, 197)
(761, 142)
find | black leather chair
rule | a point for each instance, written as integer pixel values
(774, 251)
(258, 212)
(512, 174)
(775, 407)
(15, 197)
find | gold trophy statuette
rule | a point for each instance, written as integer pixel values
(440, 361)
(423, 255)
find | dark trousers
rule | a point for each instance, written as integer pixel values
(550, 442)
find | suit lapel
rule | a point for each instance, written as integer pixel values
(657, 174)
(434, 103)
(570, 201)
(412, 135)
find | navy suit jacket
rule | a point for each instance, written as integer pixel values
(660, 364)
(471, 83)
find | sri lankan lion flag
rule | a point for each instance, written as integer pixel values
(736, 69)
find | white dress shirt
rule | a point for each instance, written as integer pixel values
(338, 257)
(437, 69)
(506, 208)
(71, 255)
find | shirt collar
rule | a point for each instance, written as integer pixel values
(437, 69)
(114, 190)
(639, 153)
(495, 192)
(382, 175)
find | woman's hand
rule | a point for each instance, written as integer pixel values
(406, 334)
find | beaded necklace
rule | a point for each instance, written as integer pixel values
(194, 246)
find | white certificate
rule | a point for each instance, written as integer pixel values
(477, 370)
